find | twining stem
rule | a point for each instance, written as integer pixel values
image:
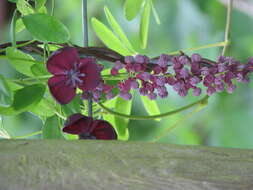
(151, 117)
(20, 45)
(218, 44)
(228, 26)
(27, 135)
(187, 116)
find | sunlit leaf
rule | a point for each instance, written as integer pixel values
(46, 28)
(39, 70)
(51, 129)
(145, 18)
(117, 29)
(20, 61)
(156, 16)
(132, 8)
(5, 92)
(19, 25)
(24, 7)
(109, 39)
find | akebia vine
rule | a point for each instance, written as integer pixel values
(74, 73)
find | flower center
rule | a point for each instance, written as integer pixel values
(87, 136)
(74, 76)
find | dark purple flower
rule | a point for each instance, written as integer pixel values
(71, 72)
(87, 128)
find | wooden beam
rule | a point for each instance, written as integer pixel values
(95, 165)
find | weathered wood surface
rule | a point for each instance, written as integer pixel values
(93, 165)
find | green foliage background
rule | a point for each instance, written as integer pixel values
(226, 121)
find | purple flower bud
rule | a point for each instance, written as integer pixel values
(204, 71)
(129, 59)
(85, 95)
(210, 90)
(160, 80)
(157, 70)
(182, 92)
(126, 96)
(96, 94)
(183, 60)
(145, 76)
(143, 91)
(228, 77)
(163, 60)
(194, 81)
(137, 67)
(109, 95)
(118, 65)
(134, 84)
(114, 71)
(231, 87)
(222, 59)
(221, 67)
(209, 79)
(196, 91)
(196, 58)
(184, 73)
(177, 86)
(171, 80)
(217, 81)
(152, 96)
(219, 87)
(139, 59)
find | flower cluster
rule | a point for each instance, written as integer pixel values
(87, 128)
(151, 77)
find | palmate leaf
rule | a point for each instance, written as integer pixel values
(108, 38)
(24, 99)
(24, 7)
(46, 28)
(117, 29)
(20, 61)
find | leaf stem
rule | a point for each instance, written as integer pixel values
(144, 117)
(228, 26)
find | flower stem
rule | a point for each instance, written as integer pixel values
(218, 44)
(27, 135)
(228, 26)
(151, 117)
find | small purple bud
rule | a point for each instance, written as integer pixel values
(183, 60)
(152, 96)
(219, 87)
(134, 84)
(204, 71)
(126, 96)
(221, 67)
(210, 90)
(139, 59)
(230, 89)
(96, 94)
(163, 60)
(163, 94)
(129, 59)
(160, 80)
(145, 76)
(137, 67)
(196, 58)
(194, 81)
(109, 95)
(157, 70)
(184, 72)
(114, 71)
(196, 91)
(143, 91)
(118, 65)
(183, 92)
(171, 80)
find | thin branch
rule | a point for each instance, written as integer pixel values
(228, 26)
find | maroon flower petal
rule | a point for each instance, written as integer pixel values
(62, 60)
(92, 74)
(62, 92)
(78, 124)
(103, 130)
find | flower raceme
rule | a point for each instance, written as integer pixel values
(87, 128)
(71, 72)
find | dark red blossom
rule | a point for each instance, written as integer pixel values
(87, 128)
(71, 72)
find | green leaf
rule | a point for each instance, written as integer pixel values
(151, 106)
(13, 1)
(120, 124)
(156, 16)
(43, 109)
(145, 17)
(20, 61)
(39, 4)
(6, 95)
(131, 8)
(13, 28)
(24, 7)
(46, 28)
(19, 26)
(51, 129)
(73, 106)
(117, 29)
(24, 99)
(39, 70)
(109, 39)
